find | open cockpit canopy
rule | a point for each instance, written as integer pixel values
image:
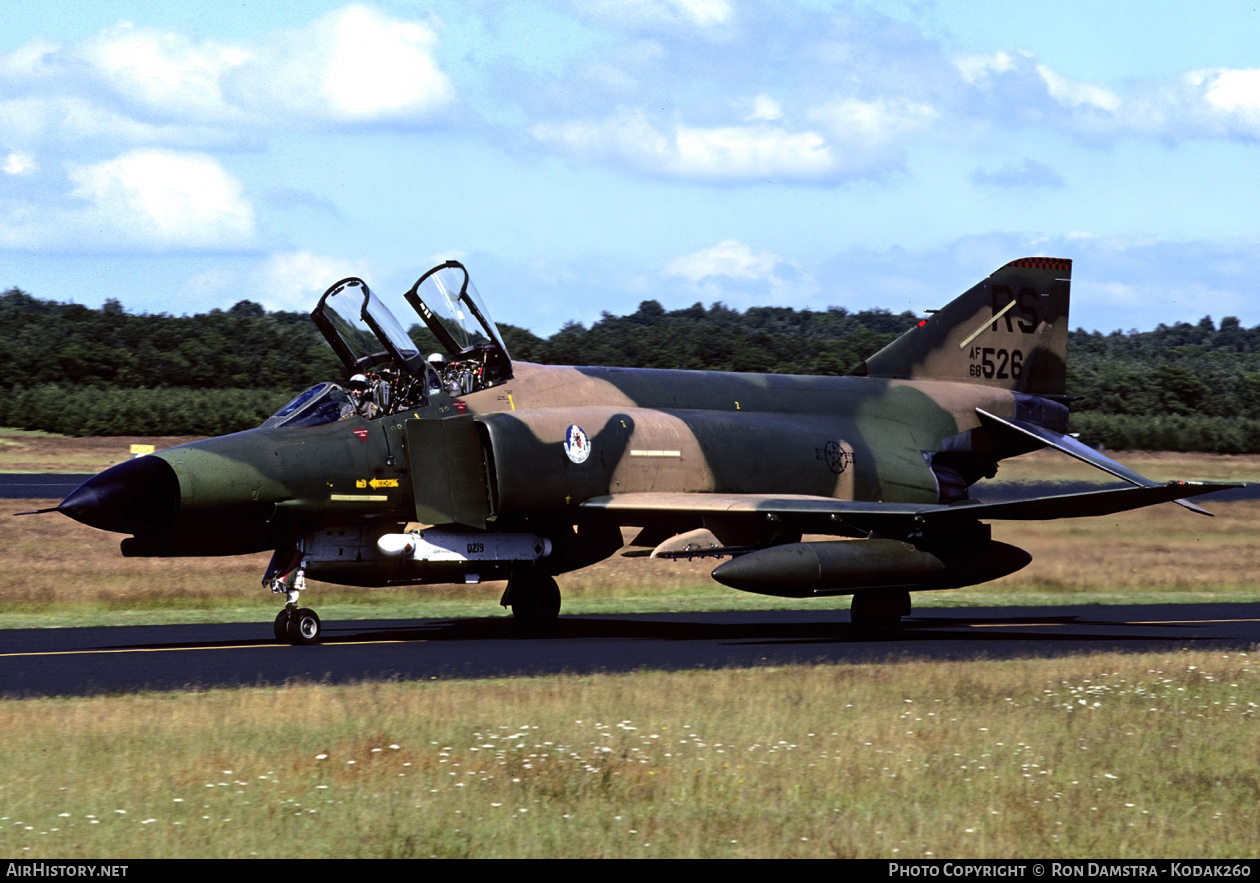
(448, 303)
(370, 341)
(363, 332)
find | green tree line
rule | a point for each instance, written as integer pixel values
(81, 371)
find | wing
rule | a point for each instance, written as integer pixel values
(827, 515)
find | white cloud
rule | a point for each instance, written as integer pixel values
(295, 280)
(745, 152)
(870, 136)
(219, 286)
(72, 119)
(765, 109)
(176, 199)
(19, 163)
(749, 152)
(1234, 91)
(874, 122)
(706, 15)
(704, 12)
(352, 65)
(146, 85)
(976, 68)
(1013, 88)
(853, 138)
(150, 200)
(728, 258)
(1073, 93)
(1221, 100)
(163, 71)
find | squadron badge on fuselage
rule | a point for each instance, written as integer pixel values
(577, 447)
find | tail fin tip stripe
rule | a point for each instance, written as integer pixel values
(1063, 265)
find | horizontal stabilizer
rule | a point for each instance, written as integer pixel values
(1074, 448)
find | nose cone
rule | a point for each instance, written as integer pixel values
(132, 497)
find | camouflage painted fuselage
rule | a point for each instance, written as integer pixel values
(850, 438)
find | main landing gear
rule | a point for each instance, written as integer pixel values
(879, 609)
(535, 600)
(286, 575)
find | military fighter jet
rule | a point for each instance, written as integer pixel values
(523, 472)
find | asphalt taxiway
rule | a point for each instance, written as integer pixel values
(77, 661)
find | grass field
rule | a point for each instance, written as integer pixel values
(1117, 755)
(23, 451)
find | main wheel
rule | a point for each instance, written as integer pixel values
(304, 627)
(879, 609)
(281, 626)
(535, 600)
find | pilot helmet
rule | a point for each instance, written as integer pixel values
(359, 383)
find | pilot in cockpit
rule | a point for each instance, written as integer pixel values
(361, 396)
(370, 395)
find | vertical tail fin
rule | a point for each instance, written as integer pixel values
(1008, 331)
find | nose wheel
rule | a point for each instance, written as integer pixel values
(297, 625)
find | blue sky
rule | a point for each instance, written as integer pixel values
(581, 157)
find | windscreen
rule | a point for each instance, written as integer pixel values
(323, 403)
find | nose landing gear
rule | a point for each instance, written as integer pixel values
(297, 625)
(286, 575)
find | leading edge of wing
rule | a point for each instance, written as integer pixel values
(868, 515)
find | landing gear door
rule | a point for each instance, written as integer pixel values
(447, 301)
(449, 473)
